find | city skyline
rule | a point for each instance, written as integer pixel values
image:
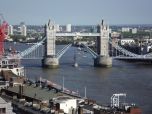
(82, 12)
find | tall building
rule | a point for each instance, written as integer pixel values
(68, 28)
(10, 30)
(23, 30)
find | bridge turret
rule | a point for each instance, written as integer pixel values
(102, 43)
(50, 59)
(103, 39)
(50, 32)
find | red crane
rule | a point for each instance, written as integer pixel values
(3, 29)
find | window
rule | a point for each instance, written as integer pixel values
(2, 110)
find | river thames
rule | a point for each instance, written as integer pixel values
(131, 78)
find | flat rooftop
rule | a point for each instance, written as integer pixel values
(38, 92)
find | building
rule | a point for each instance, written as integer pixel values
(128, 41)
(23, 30)
(134, 30)
(10, 30)
(125, 29)
(5, 108)
(68, 28)
(57, 28)
(67, 104)
(115, 34)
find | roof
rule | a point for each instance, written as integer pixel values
(2, 101)
(38, 93)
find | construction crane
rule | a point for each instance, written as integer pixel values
(3, 29)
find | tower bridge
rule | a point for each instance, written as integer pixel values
(101, 57)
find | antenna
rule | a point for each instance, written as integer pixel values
(40, 82)
(63, 84)
(25, 74)
(150, 34)
(85, 92)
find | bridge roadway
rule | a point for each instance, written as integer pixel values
(74, 34)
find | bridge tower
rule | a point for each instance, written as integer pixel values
(50, 60)
(103, 59)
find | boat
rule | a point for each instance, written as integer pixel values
(79, 48)
(75, 64)
(75, 60)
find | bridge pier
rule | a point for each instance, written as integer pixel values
(50, 62)
(103, 61)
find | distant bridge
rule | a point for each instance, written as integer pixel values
(135, 59)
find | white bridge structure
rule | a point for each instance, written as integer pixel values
(45, 49)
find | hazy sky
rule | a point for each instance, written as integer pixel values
(77, 11)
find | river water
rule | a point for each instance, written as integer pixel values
(131, 78)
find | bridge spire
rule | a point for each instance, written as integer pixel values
(102, 43)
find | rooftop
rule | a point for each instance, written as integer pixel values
(38, 92)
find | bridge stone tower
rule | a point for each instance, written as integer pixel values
(103, 59)
(50, 60)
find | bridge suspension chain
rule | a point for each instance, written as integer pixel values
(31, 49)
(61, 52)
(122, 50)
(38, 53)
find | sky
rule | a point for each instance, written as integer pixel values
(77, 12)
